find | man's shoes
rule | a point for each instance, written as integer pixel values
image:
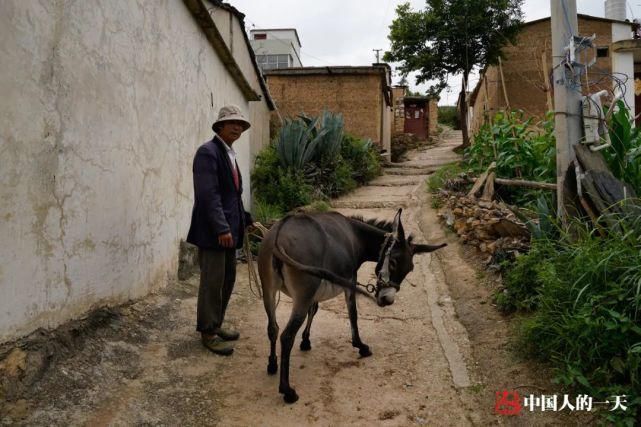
(227, 334)
(217, 345)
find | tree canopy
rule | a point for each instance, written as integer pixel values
(451, 37)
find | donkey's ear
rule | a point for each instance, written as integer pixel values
(417, 249)
(397, 227)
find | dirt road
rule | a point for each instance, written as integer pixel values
(143, 363)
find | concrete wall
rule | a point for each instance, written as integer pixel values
(103, 106)
(358, 97)
(623, 62)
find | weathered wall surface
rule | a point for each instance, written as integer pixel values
(358, 97)
(103, 106)
(432, 119)
(528, 65)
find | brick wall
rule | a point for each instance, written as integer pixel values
(525, 76)
(432, 118)
(398, 109)
(358, 97)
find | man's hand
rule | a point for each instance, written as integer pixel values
(226, 240)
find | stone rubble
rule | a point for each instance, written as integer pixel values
(490, 226)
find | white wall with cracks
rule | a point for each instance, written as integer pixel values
(102, 106)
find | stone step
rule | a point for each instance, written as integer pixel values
(369, 204)
(410, 171)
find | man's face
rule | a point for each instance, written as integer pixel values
(230, 131)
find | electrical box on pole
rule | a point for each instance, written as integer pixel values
(567, 94)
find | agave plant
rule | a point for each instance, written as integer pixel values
(334, 125)
(298, 142)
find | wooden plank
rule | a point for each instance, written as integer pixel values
(527, 184)
(481, 180)
(488, 190)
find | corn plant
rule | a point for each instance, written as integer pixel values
(624, 157)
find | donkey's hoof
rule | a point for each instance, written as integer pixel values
(272, 367)
(290, 396)
(305, 345)
(364, 351)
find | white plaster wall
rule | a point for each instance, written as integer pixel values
(623, 62)
(103, 106)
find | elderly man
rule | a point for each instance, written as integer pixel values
(218, 223)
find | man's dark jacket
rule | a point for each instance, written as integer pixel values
(218, 206)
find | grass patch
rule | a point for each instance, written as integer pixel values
(436, 180)
(583, 293)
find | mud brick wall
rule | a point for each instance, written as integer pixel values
(524, 74)
(358, 97)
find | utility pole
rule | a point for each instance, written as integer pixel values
(567, 96)
(378, 52)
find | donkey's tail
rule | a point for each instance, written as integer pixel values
(319, 272)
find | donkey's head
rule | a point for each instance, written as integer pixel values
(395, 261)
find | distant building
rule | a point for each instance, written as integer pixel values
(362, 94)
(524, 79)
(417, 115)
(276, 48)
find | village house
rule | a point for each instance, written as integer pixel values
(361, 94)
(417, 115)
(103, 109)
(523, 79)
(276, 48)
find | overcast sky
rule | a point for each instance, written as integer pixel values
(344, 32)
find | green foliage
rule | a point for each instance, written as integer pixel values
(283, 189)
(519, 148)
(448, 115)
(297, 142)
(624, 157)
(265, 213)
(362, 156)
(436, 181)
(451, 37)
(312, 159)
(584, 292)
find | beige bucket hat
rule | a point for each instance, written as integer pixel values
(231, 113)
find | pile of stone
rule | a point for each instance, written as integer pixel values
(401, 143)
(491, 226)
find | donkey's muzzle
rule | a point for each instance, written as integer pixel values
(386, 297)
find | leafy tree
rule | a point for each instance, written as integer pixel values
(451, 37)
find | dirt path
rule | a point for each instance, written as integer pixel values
(143, 363)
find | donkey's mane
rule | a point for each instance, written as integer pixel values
(381, 224)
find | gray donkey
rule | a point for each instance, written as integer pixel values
(315, 257)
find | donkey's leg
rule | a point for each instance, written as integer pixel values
(305, 344)
(296, 320)
(350, 299)
(269, 300)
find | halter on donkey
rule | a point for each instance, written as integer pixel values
(315, 257)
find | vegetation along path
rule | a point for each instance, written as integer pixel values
(440, 353)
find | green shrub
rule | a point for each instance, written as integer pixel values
(362, 156)
(282, 188)
(312, 159)
(448, 115)
(584, 292)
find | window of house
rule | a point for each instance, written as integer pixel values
(269, 62)
(259, 36)
(602, 52)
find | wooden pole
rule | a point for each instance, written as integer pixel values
(507, 101)
(546, 80)
(567, 97)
